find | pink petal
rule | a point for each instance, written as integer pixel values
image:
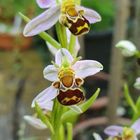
(42, 22)
(35, 122)
(86, 68)
(46, 3)
(46, 95)
(113, 130)
(61, 55)
(136, 126)
(50, 73)
(91, 15)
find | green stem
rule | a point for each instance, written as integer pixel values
(72, 44)
(56, 122)
(62, 133)
(44, 35)
(69, 131)
(61, 34)
(129, 99)
(50, 40)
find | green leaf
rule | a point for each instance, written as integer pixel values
(129, 99)
(136, 115)
(138, 107)
(43, 117)
(44, 35)
(67, 116)
(76, 108)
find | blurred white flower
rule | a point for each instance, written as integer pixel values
(137, 83)
(97, 136)
(127, 48)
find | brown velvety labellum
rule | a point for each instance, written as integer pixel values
(81, 26)
(70, 96)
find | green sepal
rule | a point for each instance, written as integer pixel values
(69, 115)
(43, 35)
(43, 117)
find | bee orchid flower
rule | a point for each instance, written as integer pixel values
(66, 75)
(124, 133)
(75, 17)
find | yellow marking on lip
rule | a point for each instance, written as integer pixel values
(67, 99)
(82, 27)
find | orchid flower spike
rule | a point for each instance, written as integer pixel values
(124, 133)
(76, 18)
(66, 75)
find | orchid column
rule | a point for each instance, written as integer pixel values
(58, 105)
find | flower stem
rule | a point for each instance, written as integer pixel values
(72, 44)
(129, 99)
(56, 121)
(50, 40)
(69, 131)
(61, 34)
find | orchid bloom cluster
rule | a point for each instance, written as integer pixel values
(121, 133)
(65, 96)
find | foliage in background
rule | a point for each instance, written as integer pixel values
(9, 8)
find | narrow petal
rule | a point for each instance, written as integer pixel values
(50, 73)
(45, 96)
(97, 136)
(136, 126)
(113, 130)
(35, 122)
(86, 68)
(61, 55)
(42, 22)
(91, 15)
(46, 3)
